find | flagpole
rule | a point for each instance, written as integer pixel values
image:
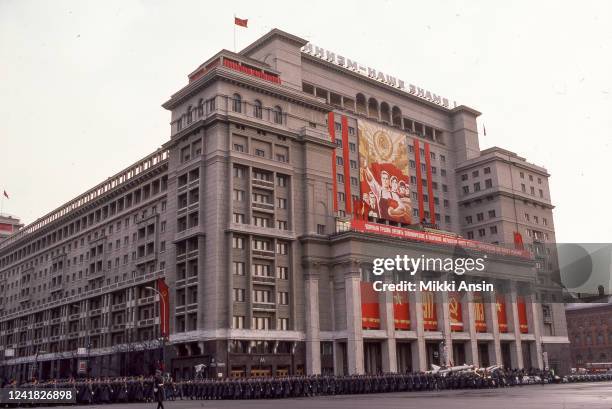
(234, 32)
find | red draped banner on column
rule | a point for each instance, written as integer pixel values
(430, 316)
(455, 312)
(370, 312)
(401, 310)
(479, 314)
(502, 319)
(522, 315)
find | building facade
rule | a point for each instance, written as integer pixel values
(253, 217)
(590, 333)
(8, 225)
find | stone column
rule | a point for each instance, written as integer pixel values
(389, 351)
(516, 349)
(354, 332)
(472, 350)
(491, 311)
(445, 326)
(419, 360)
(311, 303)
(534, 318)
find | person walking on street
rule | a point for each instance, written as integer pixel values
(158, 389)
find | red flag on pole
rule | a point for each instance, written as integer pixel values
(164, 316)
(241, 22)
(6, 194)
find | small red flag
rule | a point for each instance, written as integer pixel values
(241, 22)
(6, 194)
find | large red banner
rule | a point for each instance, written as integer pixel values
(455, 311)
(502, 319)
(164, 310)
(436, 238)
(383, 174)
(401, 310)
(430, 315)
(522, 315)
(479, 314)
(370, 311)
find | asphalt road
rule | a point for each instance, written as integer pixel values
(567, 396)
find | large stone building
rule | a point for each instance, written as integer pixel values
(590, 333)
(252, 215)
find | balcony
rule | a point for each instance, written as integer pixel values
(117, 327)
(266, 184)
(146, 300)
(264, 280)
(146, 323)
(97, 311)
(55, 321)
(264, 306)
(119, 307)
(266, 207)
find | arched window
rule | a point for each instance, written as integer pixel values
(373, 108)
(396, 116)
(189, 114)
(237, 103)
(200, 107)
(257, 109)
(361, 104)
(385, 114)
(278, 115)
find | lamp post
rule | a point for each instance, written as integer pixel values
(38, 352)
(162, 308)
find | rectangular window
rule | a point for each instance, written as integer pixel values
(260, 152)
(491, 214)
(239, 218)
(488, 183)
(281, 203)
(479, 217)
(477, 187)
(281, 248)
(493, 229)
(238, 147)
(238, 267)
(238, 242)
(281, 224)
(239, 195)
(281, 180)
(282, 273)
(282, 324)
(238, 322)
(239, 294)
(283, 298)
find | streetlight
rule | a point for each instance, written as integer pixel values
(38, 352)
(162, 308)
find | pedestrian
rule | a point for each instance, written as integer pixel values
(158, 389)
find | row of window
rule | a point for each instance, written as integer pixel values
(239, 242)
(262, 323)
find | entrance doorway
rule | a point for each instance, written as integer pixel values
(372, 357)
(459, 353)
(404, 357)
(433, 353)
(483, 354)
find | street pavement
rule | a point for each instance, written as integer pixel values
(565, 396)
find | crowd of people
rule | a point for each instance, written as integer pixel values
(158, 388)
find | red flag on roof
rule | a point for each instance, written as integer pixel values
(241, 22)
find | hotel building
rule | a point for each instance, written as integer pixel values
(244, 243)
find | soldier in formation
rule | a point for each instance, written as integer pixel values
(157, 388)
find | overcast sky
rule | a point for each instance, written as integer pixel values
(81, 82)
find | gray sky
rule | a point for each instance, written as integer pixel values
(81, 82)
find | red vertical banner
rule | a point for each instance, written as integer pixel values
(522, 315)
(331, 127)
(479, 314)
(502, 319)
(419, 178)
(401, 310)
(370, 312)
(430, 315)
(347, 164)
(164, 308)
(432, 205)
(455, 311)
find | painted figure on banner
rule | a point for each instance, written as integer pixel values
(383, 159)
